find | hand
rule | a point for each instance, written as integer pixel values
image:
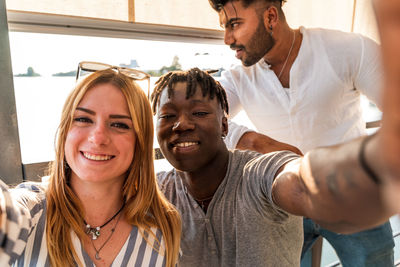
(388, 19)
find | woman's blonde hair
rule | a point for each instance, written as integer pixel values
(145, 205)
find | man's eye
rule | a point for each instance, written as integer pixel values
(200, 113)
(82, 120)
(120, 125)
(233, 25)
(166, 116)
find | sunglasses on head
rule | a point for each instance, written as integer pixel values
(136, 75)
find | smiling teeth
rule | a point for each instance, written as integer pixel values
(186, 144)
(96, 157)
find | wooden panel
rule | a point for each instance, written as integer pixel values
(103, 9)
(185, 13)
(131, 10)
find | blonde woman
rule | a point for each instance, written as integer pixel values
(101, 206)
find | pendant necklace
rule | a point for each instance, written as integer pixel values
(95, 231)
(97, 256)
(287, 58)
(204, 202)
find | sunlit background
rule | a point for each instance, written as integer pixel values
(48, 38)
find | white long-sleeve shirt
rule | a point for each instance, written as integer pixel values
(322, 106)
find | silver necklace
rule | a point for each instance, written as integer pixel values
(204, 202)
(287, 57)
(97, 256)
(95, 231)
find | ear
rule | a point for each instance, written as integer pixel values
(224, 126)
(270, 17)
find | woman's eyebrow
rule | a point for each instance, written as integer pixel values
(113, 116)
(117, 116)
(86, 110)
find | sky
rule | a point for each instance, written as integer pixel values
(52, 53)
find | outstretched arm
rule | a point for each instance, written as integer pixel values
(330, 185)
(20, 211)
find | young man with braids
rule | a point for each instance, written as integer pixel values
(243, 208)
(302, 87)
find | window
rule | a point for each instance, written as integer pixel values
(44, 68)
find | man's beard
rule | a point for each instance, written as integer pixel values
(259, 45)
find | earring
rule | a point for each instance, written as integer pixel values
(270, 28)
(223, 136)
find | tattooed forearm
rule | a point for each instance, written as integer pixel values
(340, 194)
(349, 178)
(332, 184)
(340, 181)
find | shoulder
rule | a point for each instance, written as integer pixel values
(250, 163)
(248, 157)
(22, 209)
(333, 38)
(30, 194)
(237, 72)
(35, 187)
(166, 179)
(327, 33)
(26, 191)
(270, 163)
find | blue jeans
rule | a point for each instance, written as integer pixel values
(370, 248)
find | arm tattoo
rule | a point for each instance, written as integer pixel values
(332, 184)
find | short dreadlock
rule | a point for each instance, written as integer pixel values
(192, 77)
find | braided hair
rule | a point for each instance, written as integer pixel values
(192, 77)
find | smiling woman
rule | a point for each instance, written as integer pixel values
(101, 141)
(104, 156)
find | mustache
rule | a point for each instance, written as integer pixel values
(235, 46)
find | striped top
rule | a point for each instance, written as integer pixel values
(23, 238)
